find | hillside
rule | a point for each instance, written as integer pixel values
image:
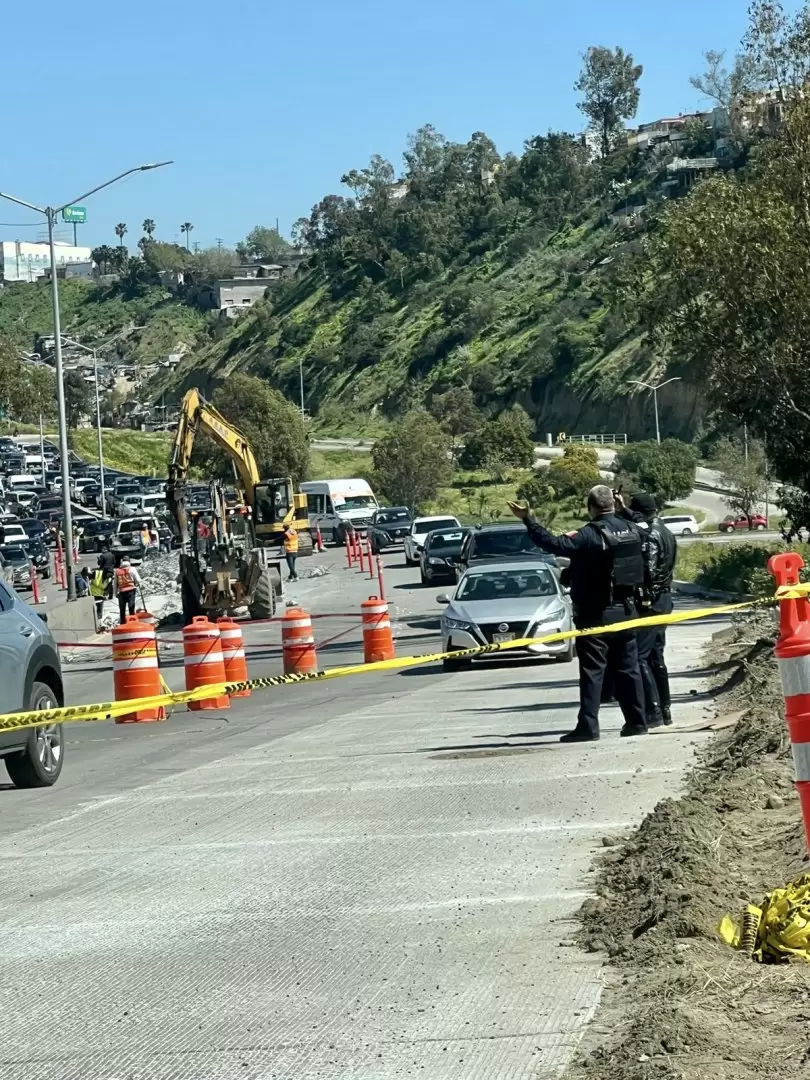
(468, 268)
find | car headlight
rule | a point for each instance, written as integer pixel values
(456, 624)
(552, 618)
(436, 562)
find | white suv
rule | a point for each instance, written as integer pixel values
(682, 525)
(420, 527)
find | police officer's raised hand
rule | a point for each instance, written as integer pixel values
(519, 510)
(618, 499)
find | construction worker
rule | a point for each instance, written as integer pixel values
(145, 539)
(83, 582)
(99, 590)
(290, 540)
(125, 584)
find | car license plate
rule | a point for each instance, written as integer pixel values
(498, 638)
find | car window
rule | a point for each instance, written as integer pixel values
(503, 543)
(445, 539)
(6, 598)
(431, 526)
(506, 585)
(392, 516)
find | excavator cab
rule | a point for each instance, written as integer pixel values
(277, 504)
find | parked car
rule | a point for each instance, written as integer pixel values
(91, 496)
(495, 541)
(95, 535)
(31, 677)
(735, 522)
(126, 538)
(25, 500)
(504, 601)
(38, 553)
(16, 566)
(681, 524)
(389, 527)
(13, 533)
(420, 527)
(440, 554)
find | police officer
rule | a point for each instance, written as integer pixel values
(606, 571)
(660, 553)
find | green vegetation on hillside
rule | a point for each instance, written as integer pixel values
(141, 452)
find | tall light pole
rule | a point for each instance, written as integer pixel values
(655, 387)
(301, 383)
(94, 354)
(50, 213)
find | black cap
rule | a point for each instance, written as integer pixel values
(643, 503)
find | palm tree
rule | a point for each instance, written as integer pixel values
(148, 226)
(120, 230)
(186, 227)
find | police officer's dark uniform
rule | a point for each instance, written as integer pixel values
(598, 601)
(660, 554)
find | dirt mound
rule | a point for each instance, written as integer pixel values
(684, 1005)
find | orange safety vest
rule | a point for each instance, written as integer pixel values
(124, 579)
(291, 542)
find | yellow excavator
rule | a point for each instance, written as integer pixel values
(233, 560)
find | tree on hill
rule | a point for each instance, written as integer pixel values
(412, 461)
(26, 391)
(262, 243)
(104, 256)
(148, 227)
(186, 228)
(272, 425)
(77, 398)
(458, 415)
(743, 472)
(574, 474)
(120, 232)
(608, 83)
(666, 471)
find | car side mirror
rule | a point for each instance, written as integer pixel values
(443, 598)
(43, 615)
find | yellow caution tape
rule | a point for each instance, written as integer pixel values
(779, 929)
(109, 710)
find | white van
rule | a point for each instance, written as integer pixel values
(333, 504)
(19, 481)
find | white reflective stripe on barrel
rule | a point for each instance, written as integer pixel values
(801, 761)
(384, 625)
(227, 635)
(234, 654)
(795, 672)
(210, 658)
(299, 641)
(291, 624)
(139, 636)
(137, 662)
(192, 635)
(381, 609)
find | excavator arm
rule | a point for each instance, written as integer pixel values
(196, 414)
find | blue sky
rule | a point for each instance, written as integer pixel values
(263, 104)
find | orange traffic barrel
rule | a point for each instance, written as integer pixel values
(297, 642)
(378, 642)
(202, 659)
(233, 653)
(146, 616)
(135, 668)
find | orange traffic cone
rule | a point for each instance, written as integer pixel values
(378, 641)
(297, 642)
(202, 659)
(135, 669)
(233, 653)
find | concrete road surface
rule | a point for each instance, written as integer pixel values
(370, 878)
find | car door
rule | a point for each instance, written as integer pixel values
(16, 636)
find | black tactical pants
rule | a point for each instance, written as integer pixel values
(615, 654)
(651, 645)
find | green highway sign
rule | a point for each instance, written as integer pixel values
(76, 215)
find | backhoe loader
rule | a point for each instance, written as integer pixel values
(231, 562)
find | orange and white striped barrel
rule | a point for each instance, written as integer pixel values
(146, 616)
(793, 657)
(378, 641)
(202, 659)
(298, 642)
(135, 669)
(233, 653)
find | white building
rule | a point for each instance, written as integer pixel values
(20, 261)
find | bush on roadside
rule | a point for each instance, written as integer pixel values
(735, 568)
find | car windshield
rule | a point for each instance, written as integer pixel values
(422, 527)
(506, 585)
(507, 542)
(94, 527)
(389, 517)
(13, 553)
(131, 524)
(354, 502)
(447, 540)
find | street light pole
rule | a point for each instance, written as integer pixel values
(301, 383)
(654, 388)
(98, 430)
(50, 213)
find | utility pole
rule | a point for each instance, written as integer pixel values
(220, 242)
(42, 451)
(301, 383)
(745, 441)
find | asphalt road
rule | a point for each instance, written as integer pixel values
(370, 878)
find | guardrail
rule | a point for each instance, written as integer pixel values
(614, 439)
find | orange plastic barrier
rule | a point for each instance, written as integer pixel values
(233, 653)
(378, 641)
(202, 659)
(298, 643)
(793, 657)
(135, 668)
(146, 616)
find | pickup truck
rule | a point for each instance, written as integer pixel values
(116, 507)
(126, 540)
